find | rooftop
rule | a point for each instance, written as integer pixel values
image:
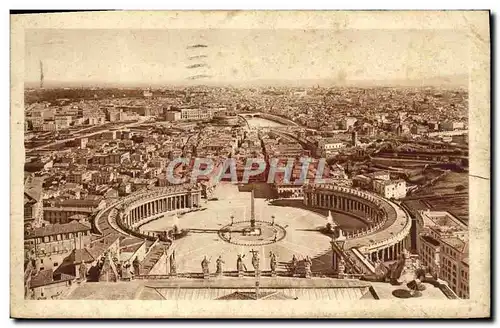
(441, 219)
(388, 182)
(46, 277)
(33, 188)
(68, 209)
(431, 240)
(457, 243)
(55, 229)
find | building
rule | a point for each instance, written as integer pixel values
(84, 142)
(429, 251)
(33, 202)
(451, 125)
(333, 147)
(50, 244)
(62, 215)
(109, 135)
(102, 177)
(354, 139)
(379, 175)
(362, 181)
(79, 177)
(394, 189)
(189, 114)
(440, 225)
(419, 129)
(289, 190)
(49, 126)
(195, 114)
(172, 115)
(442, 243)
(96, 120)
(62, 122)
(455, 265)
(348, 122)
(45, 285)
(112, 158)
(147, 93)
(95, 203)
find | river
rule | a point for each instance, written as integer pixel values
(262, 122)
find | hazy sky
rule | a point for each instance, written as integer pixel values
(153, 56)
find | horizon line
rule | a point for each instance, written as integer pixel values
(426, 81)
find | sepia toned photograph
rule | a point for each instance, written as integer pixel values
(219, 160)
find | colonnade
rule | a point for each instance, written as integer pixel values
(342, 203)
(389, 253)
(157, 206)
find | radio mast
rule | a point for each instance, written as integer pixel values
(41, 75)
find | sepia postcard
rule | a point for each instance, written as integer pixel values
(250, 164)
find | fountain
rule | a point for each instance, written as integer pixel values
(330, 225)
(176, 231)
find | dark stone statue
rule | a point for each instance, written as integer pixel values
(173, 266)
(255, 260)
(219, 263)
(273, 261)
(83, 271)
(136, 266)
(293, 265)
(307, 266)
(204, 266)
(240, 266)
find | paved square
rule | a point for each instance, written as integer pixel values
(301, 237)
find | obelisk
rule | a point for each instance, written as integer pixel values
(252, 210)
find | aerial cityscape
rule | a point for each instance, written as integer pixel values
(313, 186)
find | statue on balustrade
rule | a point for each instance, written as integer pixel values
(255, 260)
(136, 265)
(415, 285)
(240, 266)
(126, 272)
(341, 267)
(293, 265)
(273, 261)
(83, 271)
(219, 262)
(173, 265)
(204, 266)
(307, 267)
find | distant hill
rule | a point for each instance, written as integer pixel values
(451, 81)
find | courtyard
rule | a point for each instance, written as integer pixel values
(292, 231)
